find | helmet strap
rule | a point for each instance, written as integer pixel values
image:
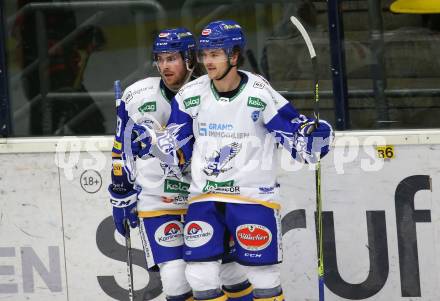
(189, 70)
(230, 66)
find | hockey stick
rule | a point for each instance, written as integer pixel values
(119, 132)
(319, 229)
(129, 261)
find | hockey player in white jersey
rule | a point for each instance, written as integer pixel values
(154, 191)
(234, 120)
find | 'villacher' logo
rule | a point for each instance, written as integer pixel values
(253, 237)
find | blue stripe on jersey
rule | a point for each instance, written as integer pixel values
(181, 118)
(288, 111)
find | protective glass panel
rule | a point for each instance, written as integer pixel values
(392, 66)
(63, 57)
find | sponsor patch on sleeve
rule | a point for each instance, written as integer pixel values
(191, 102)
(257, 103)
(149, 106)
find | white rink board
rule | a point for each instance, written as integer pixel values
(56, 240)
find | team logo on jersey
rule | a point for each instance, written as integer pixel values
(167, 139)
(173, 186)
(148, 107)
(253, 237)
(191, 102)
(169, 234)
(167, 144)
(221, 187)
(206, 32)
(218, 161)
(255, 115)
(197, 233)
(255, 102)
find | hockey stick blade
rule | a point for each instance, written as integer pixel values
(312, 54)
(305, 36)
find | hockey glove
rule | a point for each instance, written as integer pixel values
(124, 209)
(123, 197)
(141, 140)
(313, 140)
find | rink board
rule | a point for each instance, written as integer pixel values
(381, 217)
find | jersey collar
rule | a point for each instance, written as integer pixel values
(241, 86)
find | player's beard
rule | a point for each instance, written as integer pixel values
(174, 80)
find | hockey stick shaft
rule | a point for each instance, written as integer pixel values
(319, 220)
(129, 261)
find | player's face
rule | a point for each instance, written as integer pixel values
(172, 69)
(215, 62)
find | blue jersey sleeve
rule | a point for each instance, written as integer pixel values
(121, 122)
(284, 125)
(291, 130)
(121, 175)
(282, 120)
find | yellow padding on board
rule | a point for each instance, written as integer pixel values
(416, 6)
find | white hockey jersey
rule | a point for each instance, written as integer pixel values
(233, 152)
(162, 190)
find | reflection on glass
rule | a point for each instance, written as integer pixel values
(50, 62)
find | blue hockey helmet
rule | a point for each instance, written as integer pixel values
(175, 39)
(224, 34)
